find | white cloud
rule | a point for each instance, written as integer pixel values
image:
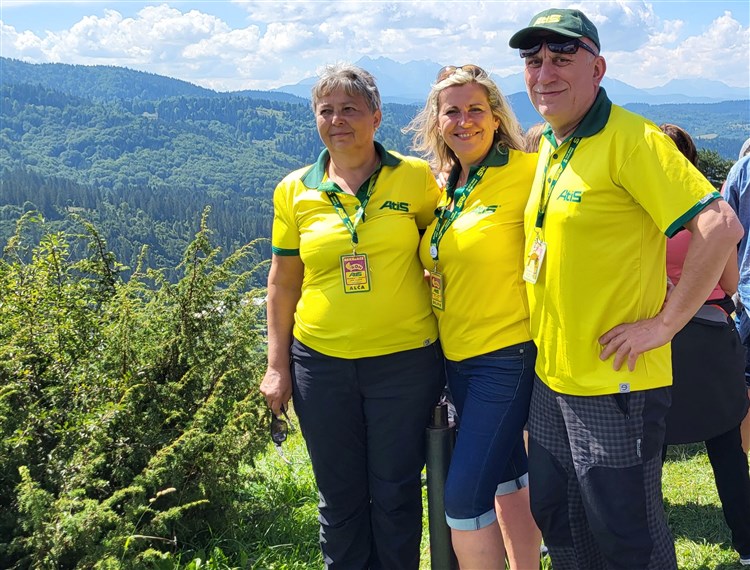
(25, 45)
(280, 42)
(721, 52)
(282, 38)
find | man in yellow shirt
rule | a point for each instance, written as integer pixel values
(609, 188)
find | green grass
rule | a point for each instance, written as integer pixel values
(702, 539)
(283, 527)
(284, 510)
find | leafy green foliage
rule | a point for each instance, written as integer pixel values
(713, 166)
(126, 408)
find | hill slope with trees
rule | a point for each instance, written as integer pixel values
(141, 155)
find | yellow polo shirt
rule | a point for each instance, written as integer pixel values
(481, 260)
(624, 189)
(395, 315)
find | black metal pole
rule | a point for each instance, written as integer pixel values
(441, 435)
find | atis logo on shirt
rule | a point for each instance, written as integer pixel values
(570, 195)
(479, 210)
(397, 206)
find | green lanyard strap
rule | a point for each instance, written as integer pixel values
(359, 214)
(544, 198)
(446, 217)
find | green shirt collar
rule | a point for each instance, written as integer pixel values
(593, 121)
(315, 174)
(498, 156)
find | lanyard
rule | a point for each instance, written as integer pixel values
(359, 214)
(446, 217)
(544, 198)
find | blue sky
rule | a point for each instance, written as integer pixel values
(262, 44)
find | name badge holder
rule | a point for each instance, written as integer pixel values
(445, 218)
(355, 267)
(535, 257)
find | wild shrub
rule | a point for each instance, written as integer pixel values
(126, 408)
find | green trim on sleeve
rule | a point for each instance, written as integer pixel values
(284, 252)
(691, 213)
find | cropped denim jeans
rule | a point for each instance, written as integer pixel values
(491, 393)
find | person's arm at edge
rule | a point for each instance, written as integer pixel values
(715, 233)
(284, 290)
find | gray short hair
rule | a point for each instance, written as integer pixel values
(353, 80)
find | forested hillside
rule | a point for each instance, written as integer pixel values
(721, 127)
(141, 155)
(106, 82)
(143, 170)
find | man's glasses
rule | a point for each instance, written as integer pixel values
(568, 47)
(473, 70)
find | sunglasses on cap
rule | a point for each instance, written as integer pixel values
(471, 69)
(567, 47)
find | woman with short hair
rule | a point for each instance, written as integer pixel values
(349, 308)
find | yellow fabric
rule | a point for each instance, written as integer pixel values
(395, 315)
(625, 187)
(481, 257)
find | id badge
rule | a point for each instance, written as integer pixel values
(355, 272)
(534, 261)
(436, 287)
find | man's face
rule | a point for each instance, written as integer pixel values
(562, 87)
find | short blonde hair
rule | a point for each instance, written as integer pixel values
(427, 139)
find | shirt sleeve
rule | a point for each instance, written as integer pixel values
(284, 232)
(733, 186)
(665, 183)
(426, 213)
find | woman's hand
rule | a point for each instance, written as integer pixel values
(277, 388)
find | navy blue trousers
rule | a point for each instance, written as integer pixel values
(364, 424)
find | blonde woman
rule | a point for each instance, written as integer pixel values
(473, 252)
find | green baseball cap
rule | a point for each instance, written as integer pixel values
(562, 21)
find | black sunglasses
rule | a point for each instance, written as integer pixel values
(279, 427)
(473, 70)
(567, 47)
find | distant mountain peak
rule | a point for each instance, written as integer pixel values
(410, 83)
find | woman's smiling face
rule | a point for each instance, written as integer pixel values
(466, 122)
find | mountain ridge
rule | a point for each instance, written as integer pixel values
(404, 83)
(410, 83)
